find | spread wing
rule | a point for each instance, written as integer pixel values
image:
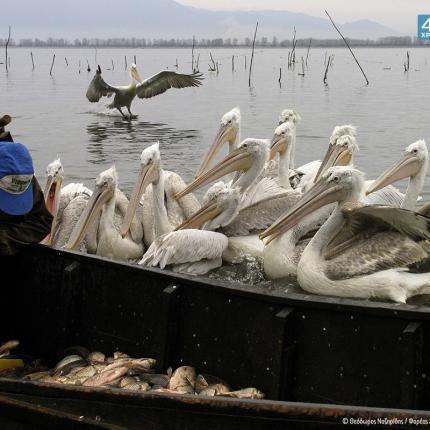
(376, 238)
(98, 88)
(162, 81)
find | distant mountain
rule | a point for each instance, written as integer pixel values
(166, 19)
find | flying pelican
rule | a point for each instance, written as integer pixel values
(148, 88)
(360, 251)
(228, 132)
(110, 243)
(65, 205)
(158, 187)
(192, 251)
(413, 165)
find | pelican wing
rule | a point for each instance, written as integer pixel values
(425, 209)
(261, 215)
(162, 81)
(386, 196)
(261, 190)
(184, 246)
(376, 238)
(98, 88)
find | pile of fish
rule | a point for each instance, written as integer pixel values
(94, 369)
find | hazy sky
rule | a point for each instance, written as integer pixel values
(400, 15)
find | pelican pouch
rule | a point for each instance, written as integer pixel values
(17, 231)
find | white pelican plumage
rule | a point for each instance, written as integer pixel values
(150, 87)
(65, 204)
(340, 152)
(110, 243)
(191, 251)
(360, 251)
(161, 211)
(413, 165)
(229, 132)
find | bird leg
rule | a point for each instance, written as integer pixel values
(131, 115)
(121, 113)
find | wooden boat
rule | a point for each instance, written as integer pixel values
(319, 360)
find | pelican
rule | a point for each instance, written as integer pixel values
(161, 211)
(148, 88)
(413, 165)
(342, 147)
(110, 243)
(360, 251)
(228, 132)
(196, 252)
(65, 205)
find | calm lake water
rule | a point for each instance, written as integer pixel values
(53, 117)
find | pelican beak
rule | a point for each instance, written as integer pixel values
(95, 204)
(237, 160)
(336, 155)
(407, 167)
(206, 213)
(52, 195)
(135, 75)
(148, 174)
(226, 133)
(279, 144)
(321, 194)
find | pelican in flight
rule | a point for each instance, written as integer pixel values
(360, 251)
(101, 209)
(161, 211)
(192, 251)
(150, 87)
(412, 165)
(65, 205)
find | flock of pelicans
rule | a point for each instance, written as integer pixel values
(322, 222)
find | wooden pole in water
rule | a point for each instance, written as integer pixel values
(113, 66)
(32, 60)
(252, 55)
(245, 62)
(67, 63)
(7, 44)
(307, 54)
(135, 61)
(192, 56)
(326, 71)
(232, 63)
(280, 75)
(52, 64)
(350, 50)
(125, 62)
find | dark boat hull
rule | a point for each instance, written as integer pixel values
(295, 348)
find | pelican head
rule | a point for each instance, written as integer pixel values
(289, 115)
(104, 190)
(250, 152)
(227, 133)
(52, 193)
(338, 184)
(134, 73)
(217, 212)
(340, 150)
(414, 158)
(281, 139)
(149, 173)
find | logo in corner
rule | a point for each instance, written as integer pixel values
(423, 27)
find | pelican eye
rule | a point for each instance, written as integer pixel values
(336, 179)
(415, 151)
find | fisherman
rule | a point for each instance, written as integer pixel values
(24, 218)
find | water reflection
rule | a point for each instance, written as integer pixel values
(110, 139)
